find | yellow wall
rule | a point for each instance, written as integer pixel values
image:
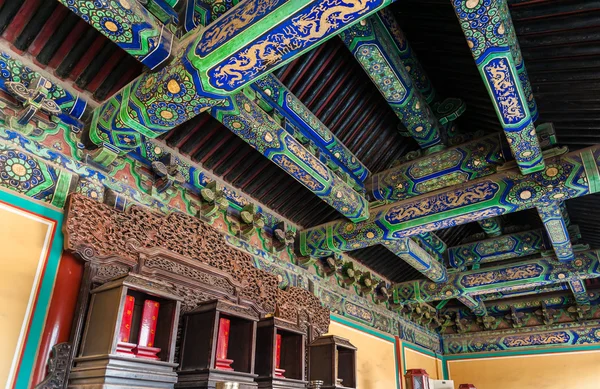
(24, 243)
(416, 360)
(579, 370)
(375, 359)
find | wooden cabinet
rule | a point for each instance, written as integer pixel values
(280, 354)
(211, 353)
(332, 359)
(129, 337)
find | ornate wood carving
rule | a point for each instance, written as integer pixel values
(58, 366)
(297, 305)
(190, 257)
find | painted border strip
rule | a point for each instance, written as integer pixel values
(373, 332)
(558, 349)
(518, 355)
(45, 286)
(425, 351)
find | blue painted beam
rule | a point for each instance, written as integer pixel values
(492, 226)
(377, 53)
(524, 292)
(556, 228)
(284, 102)
(515, 50)
(432, 244)
(408, 56)
(485, 29)
(409, 251)
(281, 100)
(567, 176)
(579, 292)
(515, 277)
(521, 244)
(248, 121)
(128, 24)
(453, 166)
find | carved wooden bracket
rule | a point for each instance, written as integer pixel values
(282, 237)
(166, 172)
(213, 200)
(33, 99)
(251, 219)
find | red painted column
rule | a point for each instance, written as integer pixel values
(60, 314)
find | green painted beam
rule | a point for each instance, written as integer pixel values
(283, 101)
(128, 24)
(524, 292)
(216, 62)
(432, 244)
(453, 166)
(515, 50)
(375, 50)
(566, 176)
(521, 244)
(565, 213)
(556, 228)
(515, 277)
(492, 226)
(245, 119)
(409, 251)
(475, 304)
(408, 56)
(280, 99)
(485, 29)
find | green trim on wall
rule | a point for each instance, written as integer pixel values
(374, 332)
(46, 286)
(509, 353)
(425, 351)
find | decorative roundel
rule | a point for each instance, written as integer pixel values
(523, 193)
(166, 114)
(111, 26)
(19, 171)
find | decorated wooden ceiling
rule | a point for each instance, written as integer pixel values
(559, 45)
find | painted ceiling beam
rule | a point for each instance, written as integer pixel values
(579, 292)
(491, 226)
(567, 176)
(561, 301)
(408, 56)
(432, 244)
(485, 29)
(248, 121)
(281, 99)
(524, 292)
(556, 228)
(375, 50)
(515, 50)
(453, 166)
(475, 304)
(409, 251)
(203, 12)
(285, 103)
(515, 277)
(517, 245)
(210, 66)
(128, 24)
